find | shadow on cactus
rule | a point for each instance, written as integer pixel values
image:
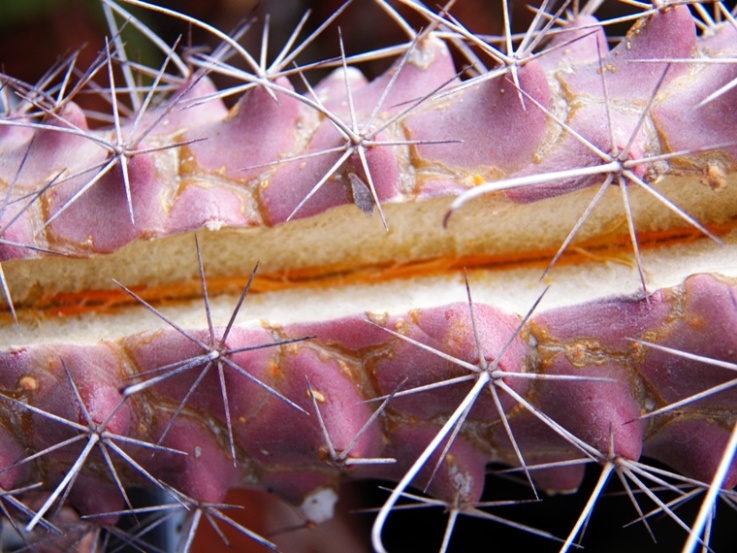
(496, 284)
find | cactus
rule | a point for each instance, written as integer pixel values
(504, 257)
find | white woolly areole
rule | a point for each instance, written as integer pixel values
(319, 506)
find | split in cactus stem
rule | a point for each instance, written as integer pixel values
(378, 276)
